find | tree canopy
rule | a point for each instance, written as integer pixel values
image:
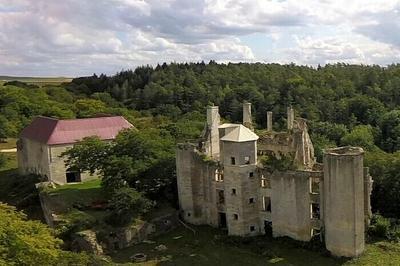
(28, 242)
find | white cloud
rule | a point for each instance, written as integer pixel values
(78, 37)
(358, 50)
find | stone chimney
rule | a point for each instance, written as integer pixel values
(247, 120)
(269, 121)
(290, 118)
(213, 122)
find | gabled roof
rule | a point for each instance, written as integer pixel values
(53, 131)
(240, 134)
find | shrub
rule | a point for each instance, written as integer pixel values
(380, 226)
(126, 204)
(74, 221)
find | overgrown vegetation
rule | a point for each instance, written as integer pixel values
(27, 242)
(385, 228)
(281, 162)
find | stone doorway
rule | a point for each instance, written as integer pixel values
(222, 220)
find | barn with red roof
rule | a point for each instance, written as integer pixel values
(42, 142)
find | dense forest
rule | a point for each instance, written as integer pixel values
(344, 104)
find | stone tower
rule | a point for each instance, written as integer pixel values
(239, 158)
(343, 201)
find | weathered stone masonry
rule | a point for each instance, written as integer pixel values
(221, 183)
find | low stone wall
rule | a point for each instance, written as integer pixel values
(128, 236)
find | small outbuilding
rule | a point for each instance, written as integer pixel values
(43, 141)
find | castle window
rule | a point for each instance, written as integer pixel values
(219, 175)
(252, 228)
(251, 174)
(314, 185)
(314, 208)
(267, 204)
(188, 214)
(315, 232)
(233, 191)
(265, 183)
(233, 161)
(251, 200)
(235, 216)
(247, 160)
(221, 196)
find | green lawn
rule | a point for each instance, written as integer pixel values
(80, 193)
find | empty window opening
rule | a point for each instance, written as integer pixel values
(221, 196)
(251, 174)
(219, 175)
(267, 204)
(73, 176)
(315, 232)
(235, 216)
(233, 191)
(252, 228)
(265, 182)
(233, 161)
(246, 159)
(251, 200)
(315, 211)
(314, 185)
(188, 214)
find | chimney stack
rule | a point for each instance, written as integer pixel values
(269, 121)
(290, 118)
(213, 122)
(247, 120)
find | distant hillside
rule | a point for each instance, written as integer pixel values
(37, 80)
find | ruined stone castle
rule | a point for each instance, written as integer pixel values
(222, 183)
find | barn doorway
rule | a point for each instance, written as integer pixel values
(222, 220)
(73, 176)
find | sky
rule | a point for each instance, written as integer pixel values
(81, 37)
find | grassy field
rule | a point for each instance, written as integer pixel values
(37, 80)
(9, 143)
(207, 248)
(80, 193)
